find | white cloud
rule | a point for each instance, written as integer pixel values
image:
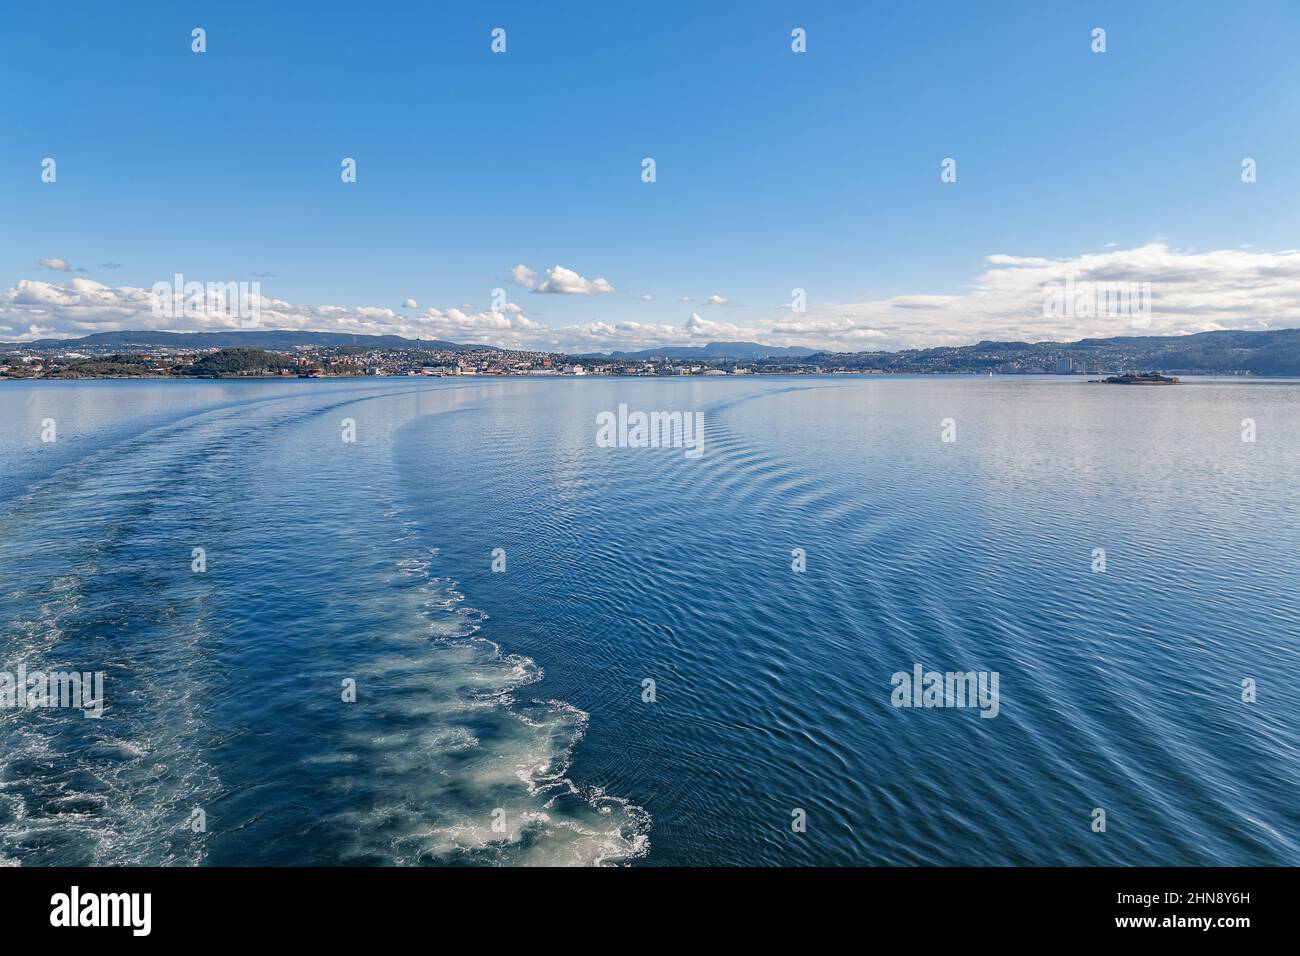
(647, 297)
(410, 304)
(707, 329)
(524, 276)
(716, 299)
(82, 306)
(507, 328)
(1190, 292)
(55, 265)
(559, 281)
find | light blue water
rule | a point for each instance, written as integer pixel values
(500, 716)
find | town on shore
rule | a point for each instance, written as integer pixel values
(343, 362)
(288, 354)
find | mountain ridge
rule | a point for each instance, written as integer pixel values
(1260, 352)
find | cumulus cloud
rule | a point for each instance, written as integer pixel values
(559, 281)
(707, 329)
(410, 304)
(34, 309)
(55, 265)
(1189, 292)
(508, 327)
(524, 276)
(716, 299)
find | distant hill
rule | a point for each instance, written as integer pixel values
(1262, 353)
(1275, 352)
(714, 350)
(257, 339)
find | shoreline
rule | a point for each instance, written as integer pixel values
(874, 374)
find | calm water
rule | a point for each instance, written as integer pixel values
(500, 716)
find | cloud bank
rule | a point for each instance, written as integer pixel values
(1189, 292)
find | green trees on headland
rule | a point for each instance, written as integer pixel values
(240, 361)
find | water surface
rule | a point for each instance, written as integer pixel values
(500, 717)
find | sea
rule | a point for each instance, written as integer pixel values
(414, 621)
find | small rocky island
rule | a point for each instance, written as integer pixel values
(1139, 378)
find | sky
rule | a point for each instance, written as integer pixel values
(500, 197)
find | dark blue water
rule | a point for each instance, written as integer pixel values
(500, 717)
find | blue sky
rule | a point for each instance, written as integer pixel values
(775, 170)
